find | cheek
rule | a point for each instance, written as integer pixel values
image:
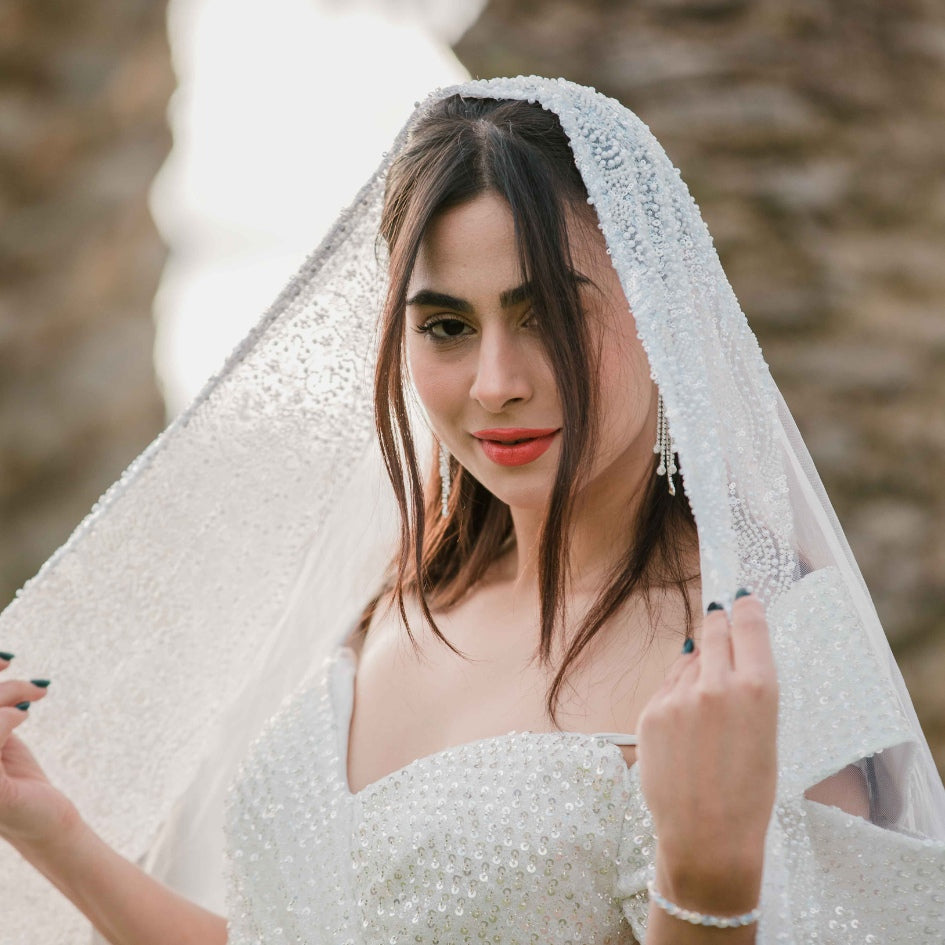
(438, 384)
(626, 390)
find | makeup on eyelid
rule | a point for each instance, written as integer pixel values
(481, 369)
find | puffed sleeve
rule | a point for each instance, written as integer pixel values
(635, 858)
(829, 877)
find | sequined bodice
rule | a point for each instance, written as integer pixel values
(510, 839)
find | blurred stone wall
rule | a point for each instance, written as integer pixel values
(84, 87)
(812, 134)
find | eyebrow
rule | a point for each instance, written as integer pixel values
(507, 299)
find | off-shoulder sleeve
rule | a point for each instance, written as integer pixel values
(635, 858)
(832, 877)
(829, 877)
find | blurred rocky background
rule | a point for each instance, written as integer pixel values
(812, 134)
(84, 87)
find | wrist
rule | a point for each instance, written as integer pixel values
(69, 833)
(729, 886)
(704, 919)
(72, 858)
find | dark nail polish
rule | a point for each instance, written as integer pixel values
(42, 683)
(689, 645)
(742, 592)
(715, 605)
(22, 706)
(6, 656)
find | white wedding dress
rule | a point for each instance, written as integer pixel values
(507, 839)
(235, 553)
(545, 837)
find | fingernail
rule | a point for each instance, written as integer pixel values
(6, 656)
(715, 605)
(42, 683)
(742, 592)
(688, 646)
(22, 706)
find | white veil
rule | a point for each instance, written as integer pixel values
(240, 547)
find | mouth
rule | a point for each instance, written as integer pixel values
(515, 446)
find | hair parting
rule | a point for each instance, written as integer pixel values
(459, 149)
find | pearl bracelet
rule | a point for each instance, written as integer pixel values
(700, 918)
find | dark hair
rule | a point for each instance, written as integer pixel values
(459, 149)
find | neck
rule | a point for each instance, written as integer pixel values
(602, 521)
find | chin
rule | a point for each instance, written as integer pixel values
(529, 504)
(533, 498)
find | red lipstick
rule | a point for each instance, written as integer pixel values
(515, 446)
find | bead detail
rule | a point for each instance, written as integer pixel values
(701, 918)
(446, 481)
(664, 447)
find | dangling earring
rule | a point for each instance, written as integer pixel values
(664, 447)
(446, 481)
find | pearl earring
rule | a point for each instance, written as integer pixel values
(664, 447)
(446, 481)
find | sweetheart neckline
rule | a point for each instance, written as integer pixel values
(343, 728)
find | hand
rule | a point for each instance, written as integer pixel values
(31, 810)
(708, 763)
(122, 902)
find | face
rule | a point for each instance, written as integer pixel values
(476, 358)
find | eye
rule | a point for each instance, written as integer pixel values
(444, 328)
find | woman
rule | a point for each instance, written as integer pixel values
(475, 786)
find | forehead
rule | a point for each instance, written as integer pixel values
(475, 243)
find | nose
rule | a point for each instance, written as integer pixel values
(502, 372)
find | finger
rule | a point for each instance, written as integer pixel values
(683, 671)
(5, 659)
(15, 691)
(715, 664)
(10, 718)
(690, 672)
(683, 662)
(751, 640)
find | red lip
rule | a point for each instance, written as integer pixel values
(515, 446)
(507, 434)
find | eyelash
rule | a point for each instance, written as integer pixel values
(427, 327)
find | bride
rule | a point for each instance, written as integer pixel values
(530, 695)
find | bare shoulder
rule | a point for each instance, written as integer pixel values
(383, 626)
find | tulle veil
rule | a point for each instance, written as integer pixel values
(237, 551)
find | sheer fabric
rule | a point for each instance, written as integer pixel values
(216, 576)
(545, 837)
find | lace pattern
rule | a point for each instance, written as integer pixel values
(236, 548)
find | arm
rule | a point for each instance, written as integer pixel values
(708, 771)
(739, 892)
(126, 905)
(845, 790)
